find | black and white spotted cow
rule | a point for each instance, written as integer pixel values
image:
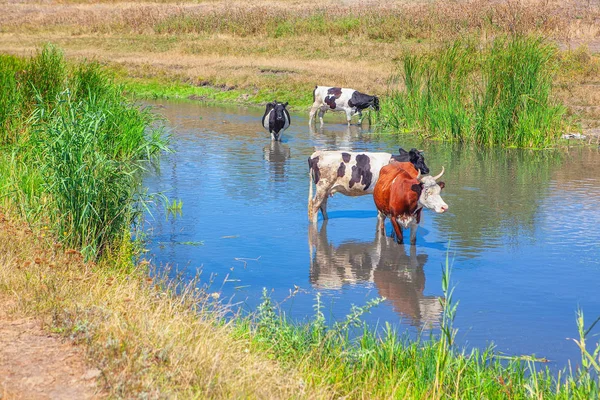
(350, 173)
(276, 119)
(345, 100)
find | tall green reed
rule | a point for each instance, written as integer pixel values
(498, 93)
(78, 167)
(11, 98)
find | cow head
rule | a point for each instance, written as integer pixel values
(416, 158)
(278, 109)
(429, 192)
(413, 156)
(376, 103)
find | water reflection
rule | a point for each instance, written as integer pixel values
(523, 226)
(398, 276)
(338, 137)
(277, 153)
(494, 194)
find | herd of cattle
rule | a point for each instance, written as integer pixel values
(399, 183)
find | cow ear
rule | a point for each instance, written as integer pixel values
(441, 185)
(413, 155)
(285, 104)
(417, 187)
(401, 151)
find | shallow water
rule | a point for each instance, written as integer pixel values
(522, 231)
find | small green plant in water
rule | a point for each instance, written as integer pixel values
(174, 207)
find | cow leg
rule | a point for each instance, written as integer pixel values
(323, 208)
(321, 113)
(360, 117)
(380, 223)
(349, 116)
(398, 230)
(413, 233)
(315, 205)
(313, 111)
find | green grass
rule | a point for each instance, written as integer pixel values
(74, 148)
(72, 156)
(500, 93)
(357, 362)
(161, 89)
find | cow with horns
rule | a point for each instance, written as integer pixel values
(345, 100)
(276, 119)
(350, 173)
(401, 193)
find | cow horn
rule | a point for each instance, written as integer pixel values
(435, 178)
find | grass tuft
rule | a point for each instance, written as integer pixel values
(498, 94)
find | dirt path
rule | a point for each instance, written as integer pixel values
(37, 365)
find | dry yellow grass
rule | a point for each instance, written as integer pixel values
(143, 337)
(148, 38)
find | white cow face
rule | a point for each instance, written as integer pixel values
(431, 193)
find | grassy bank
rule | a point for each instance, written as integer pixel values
(73, 149)
(72, 153)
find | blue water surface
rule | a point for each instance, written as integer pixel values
(522, 231)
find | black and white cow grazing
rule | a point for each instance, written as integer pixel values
(350, 173)
(276, 119)
(347, 100)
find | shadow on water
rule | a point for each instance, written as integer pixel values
(398, 276)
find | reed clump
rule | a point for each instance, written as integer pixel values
(74, 148)
(497, 93)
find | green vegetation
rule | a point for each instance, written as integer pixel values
(73, 148)
(393, 366)
(161, 89)
(498, 94)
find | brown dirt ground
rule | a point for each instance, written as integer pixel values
(37, 365)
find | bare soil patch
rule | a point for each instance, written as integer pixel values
(37, 365)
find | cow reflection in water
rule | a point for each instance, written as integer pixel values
(277, 154)
(340, 139)
(398, 277)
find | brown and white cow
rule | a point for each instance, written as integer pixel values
(346, 100)
(349, 173)
(401, 193)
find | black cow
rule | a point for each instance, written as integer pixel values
(276, 119)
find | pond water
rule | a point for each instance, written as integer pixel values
(522, 231)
